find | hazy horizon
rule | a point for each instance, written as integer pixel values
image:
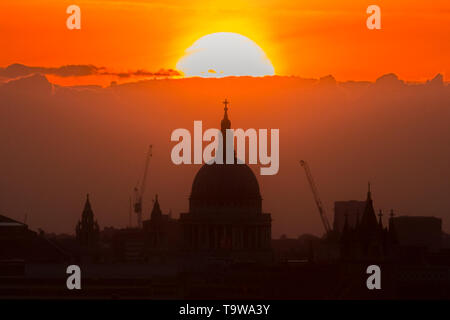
(63, 142)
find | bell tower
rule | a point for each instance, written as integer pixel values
(87, 230)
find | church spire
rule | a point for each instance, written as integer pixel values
(87, 204)
(87, 229)
(225, 123)
(156, 212)
(369, 219)
(88, 214)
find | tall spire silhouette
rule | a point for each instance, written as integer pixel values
(87, 206)
(156, 211)
(369, 219)
(224, 125)
(87, 229)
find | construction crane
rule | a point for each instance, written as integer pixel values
(139, 191)
(322, 212)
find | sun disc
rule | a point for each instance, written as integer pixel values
(225, 54)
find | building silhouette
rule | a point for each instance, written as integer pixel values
(221, 248)
(418, 232)
(162, 233)
(225, 210)
(87, 229)
(20, 245)
(368, 239)
(225, 218)
(351, 211)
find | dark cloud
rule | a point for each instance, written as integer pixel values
(144, 73)
(438, 80)
(389, 80)
(327, 80)
(19, 70)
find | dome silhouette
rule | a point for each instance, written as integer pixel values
(225, 188)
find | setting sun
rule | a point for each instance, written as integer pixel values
(225, 54)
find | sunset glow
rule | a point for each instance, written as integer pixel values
(305, 39)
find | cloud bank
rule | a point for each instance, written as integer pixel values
(20, 70)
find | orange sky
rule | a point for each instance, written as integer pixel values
(302, 38)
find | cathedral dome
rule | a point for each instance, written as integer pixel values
(225, 188)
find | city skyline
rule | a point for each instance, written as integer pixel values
(58, 211)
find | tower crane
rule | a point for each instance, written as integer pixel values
(139, 191)
(320, 207)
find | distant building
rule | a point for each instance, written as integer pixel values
(405, 238)
(158, 239)
(128, 245)
(225, 220)
(425, 232)
(87, 230)
(162, 232)
(14, 239)
(368, 239)
(352, 209)
(19, 243)
(225, 215)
